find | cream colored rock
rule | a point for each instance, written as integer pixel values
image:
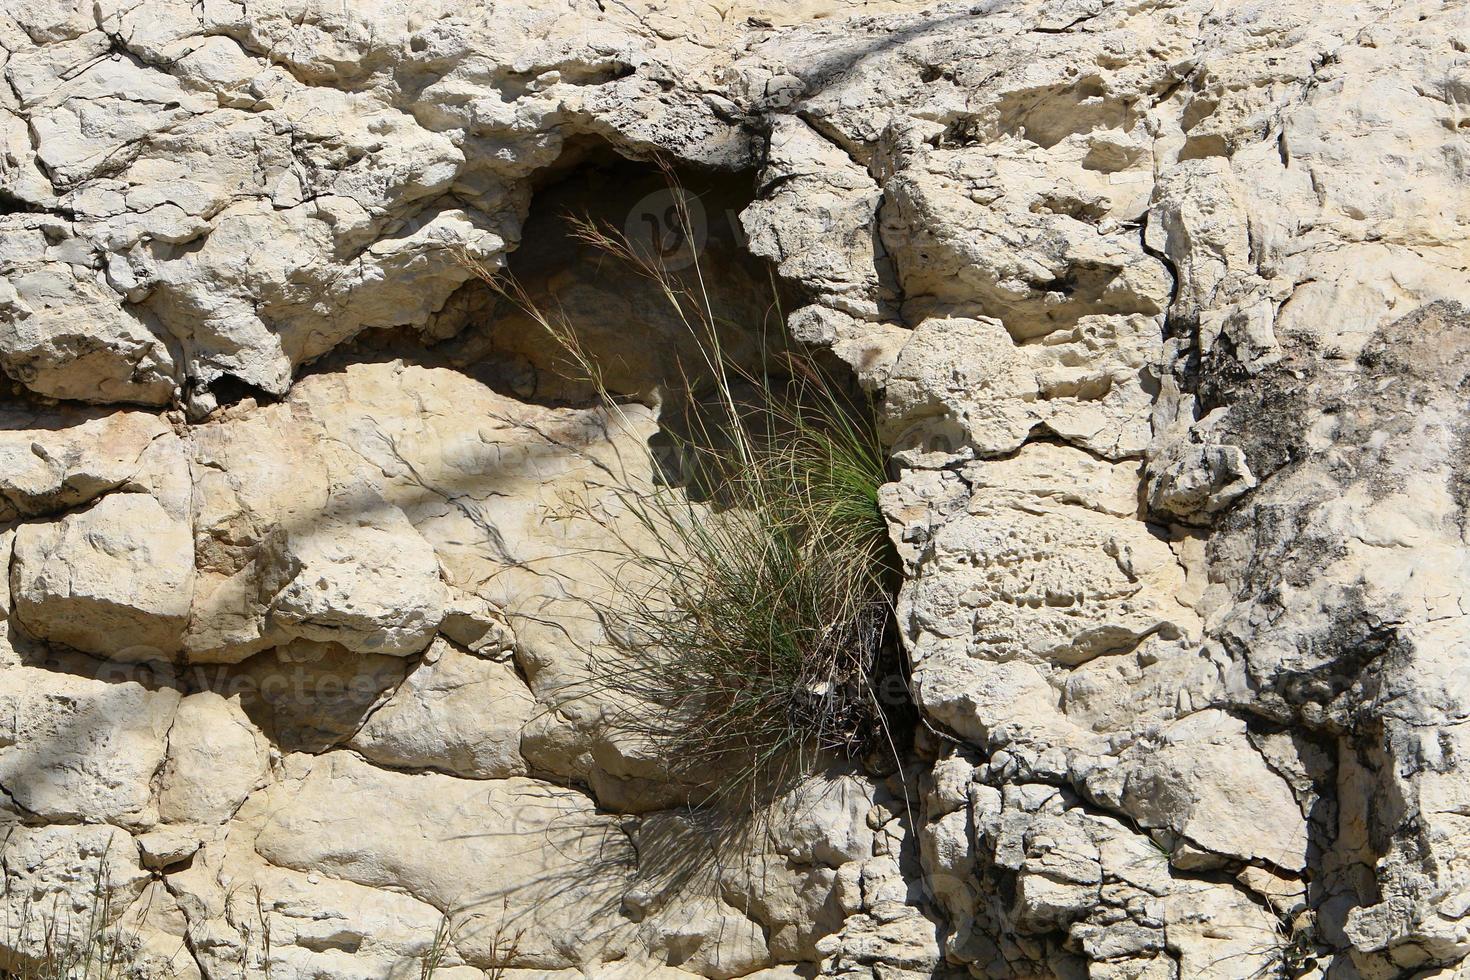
(364, 578)
(167, 846)
(1340, 331)
(999, 233)
(455, 714)
(1001, 705)
(824, 821)
(308, 696)
(115, 579)
(257, 477)
(474, 624)
(310, 550)
(321, 926)
(66, 869)
(1217, 931)
(155, 936)
(1205, 782)
(1165, 303)
(8, 655)
(81, 749)
(964, 384)
(53, 461)
(685, 915)
(936, 402)
(1060, 878)
(216, 757)
(817, 224)
(340, 816)
(1060, 474)
(883, 932)
(870, 349)
(797, 906)
(1161, 681)
(66, 338)
(503, 503)
(1017, 577)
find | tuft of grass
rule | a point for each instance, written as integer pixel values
(748, 595)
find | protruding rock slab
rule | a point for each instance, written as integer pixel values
(365, 579)
(458, 714)
(115, 579)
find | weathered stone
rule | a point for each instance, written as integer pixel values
(52, 462)
(798, 906)
(322, 926)
(366, 579)
(456, 714)
(167, 846)
(1162, 306)
(75, 873)
(115, 579)
(154, 933)
(824, 821)
(67, 338)
(75, 748)
(216, 757)
(818, 222)
(474, 624)
(1204, 781)
(1255, 939)
(339, 815)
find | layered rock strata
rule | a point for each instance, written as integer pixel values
(1163, 307)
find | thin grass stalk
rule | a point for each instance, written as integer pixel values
(102, 950)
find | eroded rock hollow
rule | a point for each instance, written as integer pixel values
(1163, 310)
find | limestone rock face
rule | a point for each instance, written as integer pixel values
(77, 748)
(328, 927)
(53, 462)
(334, 817)
(67, 337)
(114, 579)
(458, 714)
(72, 868)
(1163, 312)
(1234, 806)
(368, 582)
(216, 756)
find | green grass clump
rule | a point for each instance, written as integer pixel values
(748, 597)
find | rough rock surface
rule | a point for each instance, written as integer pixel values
(1164, 308)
